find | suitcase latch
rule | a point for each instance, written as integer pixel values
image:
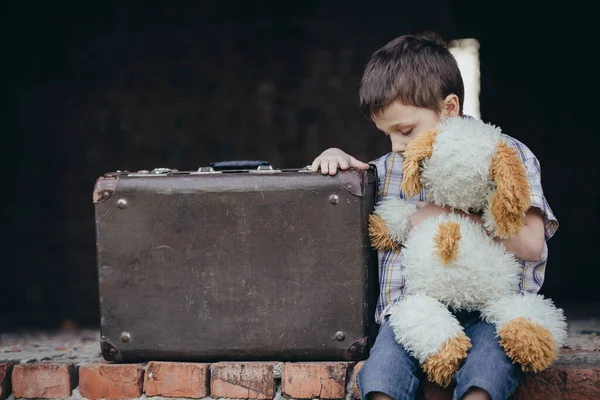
(207, 170)
(160, 171)
(154, 172)
(211, 170)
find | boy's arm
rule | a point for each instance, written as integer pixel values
(527, 245)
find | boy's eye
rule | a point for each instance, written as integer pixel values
(406, 133)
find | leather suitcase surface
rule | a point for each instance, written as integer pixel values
(240, 264)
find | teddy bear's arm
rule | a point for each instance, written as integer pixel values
(390, 223)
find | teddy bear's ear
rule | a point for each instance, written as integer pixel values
(419, 149)
(511, 199)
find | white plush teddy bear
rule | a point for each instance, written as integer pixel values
(451, 263)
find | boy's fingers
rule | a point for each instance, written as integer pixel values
(315, 165)
(333, 165)
(358, 164)
(343, 164)
(330, 166)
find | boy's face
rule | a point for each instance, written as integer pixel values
(403, 123)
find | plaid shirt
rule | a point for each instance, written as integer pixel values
(391, 279)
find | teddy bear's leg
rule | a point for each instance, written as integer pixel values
(389, 223)
(429, 331)
(530, 327)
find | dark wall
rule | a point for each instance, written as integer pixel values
(92, 89)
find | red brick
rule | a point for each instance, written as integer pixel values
(326, 380)
(355, 391)
(582, 384)
(44, 381)
(111, 381)
(5, 372)
(250, 380)
(174, 379)
(546, 385)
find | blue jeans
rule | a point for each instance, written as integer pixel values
(391, 370)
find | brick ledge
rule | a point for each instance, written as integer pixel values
(69, 365)
(255, 380)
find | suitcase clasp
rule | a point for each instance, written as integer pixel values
(160, 171)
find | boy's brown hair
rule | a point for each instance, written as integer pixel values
(418, 70)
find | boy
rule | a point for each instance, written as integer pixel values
(408, 86)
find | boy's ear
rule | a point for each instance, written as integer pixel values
(419, 149)
(451, 106)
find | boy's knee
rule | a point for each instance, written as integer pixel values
(490, 370)
(389, 376)
(487, 366)
(389, 369)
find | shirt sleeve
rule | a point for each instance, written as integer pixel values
(537, 196)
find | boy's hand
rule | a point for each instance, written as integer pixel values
(331, 159)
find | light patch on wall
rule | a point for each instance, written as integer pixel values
(466, 52)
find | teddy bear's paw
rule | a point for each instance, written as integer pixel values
(380, 235)
(441, 366)
(528, 343)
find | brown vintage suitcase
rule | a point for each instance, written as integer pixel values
(237, 264)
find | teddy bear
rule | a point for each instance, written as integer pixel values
(451, 262)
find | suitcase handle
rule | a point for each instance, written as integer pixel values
(240, 165)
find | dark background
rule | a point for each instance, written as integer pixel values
(96, 88)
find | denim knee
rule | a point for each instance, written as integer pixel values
(389, 369)
(487, 366)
